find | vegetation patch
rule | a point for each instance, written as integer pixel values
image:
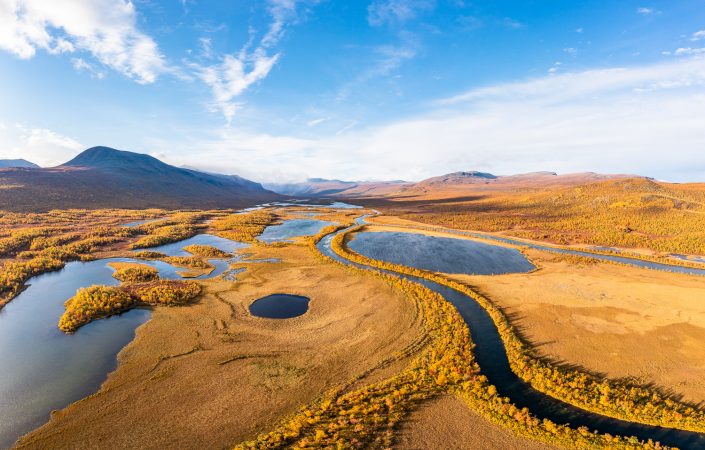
(166, 235)
(96, 302)
(133, 273)
(206, 251)
(244, 227)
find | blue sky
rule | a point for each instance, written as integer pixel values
(361, 89)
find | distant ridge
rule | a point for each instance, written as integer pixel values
(8, 163)
(321, 187)
(103, 177)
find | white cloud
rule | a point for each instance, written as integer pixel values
(645, 120)
(572, 51)
(395, 12)
(38, 145)
(646, 11)
(104, 28)
(80, 65)
(698, 35)
(231, 77)
(314, 122)
(685, 51)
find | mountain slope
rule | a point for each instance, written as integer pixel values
(102, 177)
(7, 163)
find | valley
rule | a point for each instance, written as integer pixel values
(393, 323)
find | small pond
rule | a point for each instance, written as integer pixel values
(279, 306)
(293, 228)
(440, 254)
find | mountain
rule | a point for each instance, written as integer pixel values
(321, 187)
(532, 179)
(102, 177)
(7, 163)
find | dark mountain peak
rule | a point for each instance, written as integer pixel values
(473, 174)
(464, 177)
(110, 158)
(7, 163)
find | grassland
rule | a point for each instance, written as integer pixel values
(373, 363)
(631, 213)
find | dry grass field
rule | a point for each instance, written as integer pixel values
(614, 320)
(447, 422)
(211, 375)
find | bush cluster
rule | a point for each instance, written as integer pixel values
(96, 302)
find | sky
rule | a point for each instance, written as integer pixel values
(282, 90)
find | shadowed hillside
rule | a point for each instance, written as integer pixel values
(5, 163)
(103, 177)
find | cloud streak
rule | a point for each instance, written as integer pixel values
(235, 73)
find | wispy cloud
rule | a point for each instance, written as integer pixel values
(396, 12)
(510, 23)
(644, 11)
(235, 73)
(104, 28)
(314, 122)
(698, 36)
(386, 59)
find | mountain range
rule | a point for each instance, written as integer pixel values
(102, 177)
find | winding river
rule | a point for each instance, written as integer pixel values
(492, 359)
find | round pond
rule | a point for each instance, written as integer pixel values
(279, 306)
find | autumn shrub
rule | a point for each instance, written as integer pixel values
(206, 251)
(243, 227)
(146, 254)
(93, 303)
(166, 235)
(165, 292)
(192, 262)
(14, 274)
(136, 273)
(97, 302)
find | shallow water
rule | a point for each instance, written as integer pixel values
(44, 369)
(440, 254)
(492, 358)
(618, 259)
(293, 228)
(177, 248)
(279, 306)
(41, 368)
(137, 223)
